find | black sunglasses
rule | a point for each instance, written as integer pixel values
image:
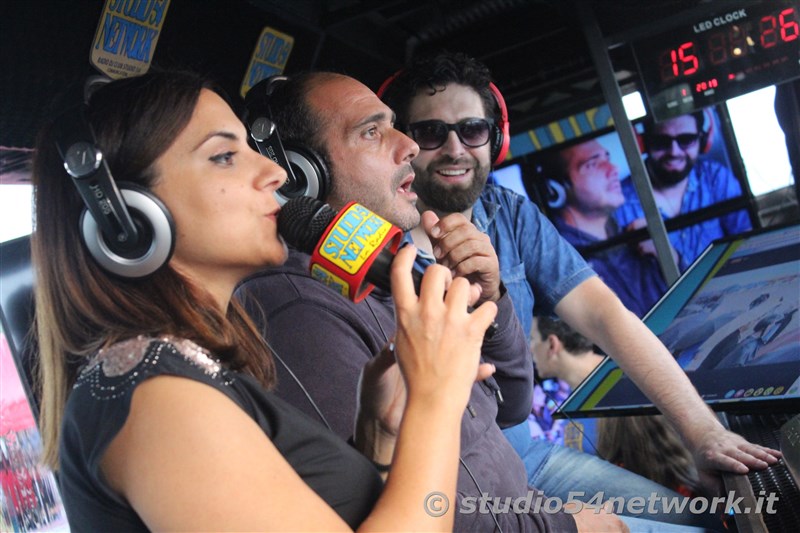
(431, 134)
(664, 142)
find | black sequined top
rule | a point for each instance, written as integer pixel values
(100, 402)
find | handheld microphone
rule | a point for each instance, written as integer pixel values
(351, 251)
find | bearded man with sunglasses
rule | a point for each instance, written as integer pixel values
(683, 181)
(541, 271)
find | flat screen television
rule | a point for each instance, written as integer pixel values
(732, 323)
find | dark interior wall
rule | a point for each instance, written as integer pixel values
(45, 48)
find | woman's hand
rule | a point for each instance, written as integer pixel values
(437, 342)
(437, 347)
(448, 340)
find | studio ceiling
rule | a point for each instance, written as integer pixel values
(535, 49)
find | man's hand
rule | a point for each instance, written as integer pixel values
(382, 398)
(382, 392)
(725, 451)
(381, 401)
(466, 251)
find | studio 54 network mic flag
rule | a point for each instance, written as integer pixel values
(351, 251)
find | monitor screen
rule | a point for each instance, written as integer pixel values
(586, 189)
(732, 323)
(510, 177)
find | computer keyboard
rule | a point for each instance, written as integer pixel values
(765, 429)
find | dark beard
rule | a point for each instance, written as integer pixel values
(440, 197)
(667, 178)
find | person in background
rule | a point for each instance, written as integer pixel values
(434, 98)
(627, 441)
(684, 182)
(633, 442)
(156, 410)
(561, 352)
(589, 192)
(551, 341)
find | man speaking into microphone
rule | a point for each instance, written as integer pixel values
(325, 339)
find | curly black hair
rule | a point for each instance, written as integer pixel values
(432, 73)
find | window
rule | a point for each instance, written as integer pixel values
(16, 208)
(761, 141)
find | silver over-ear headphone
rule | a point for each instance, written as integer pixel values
(556, 194)
(125, 228)
(307, 173)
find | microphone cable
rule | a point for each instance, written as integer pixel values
(299, 384)
(474, 480)
(469, 408)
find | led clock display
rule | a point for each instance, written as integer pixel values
(720, 56)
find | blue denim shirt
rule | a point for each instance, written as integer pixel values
(709, 183)
(637, 280)
(537, 266)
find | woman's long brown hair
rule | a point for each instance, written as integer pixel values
(650, 447)
(80, 307)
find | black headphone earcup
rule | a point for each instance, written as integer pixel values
(496, 144)
(502, 136)
(311, 177)
(705, 142)
(556, 194)
(157, 236)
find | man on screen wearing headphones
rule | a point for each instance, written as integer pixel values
(537, 268)
(684, 182)
(589, 192)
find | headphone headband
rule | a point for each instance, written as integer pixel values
(129, 244)
(262, 128)
(85, 163)
(501, 150)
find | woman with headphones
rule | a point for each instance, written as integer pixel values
(156, 404)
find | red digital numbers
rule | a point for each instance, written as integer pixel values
(704, 86)
(681, 61)
(735, 41)
(766, 27)
(783, 28)
(789, 27)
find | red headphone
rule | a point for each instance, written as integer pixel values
(501, 138)
(705, 127)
